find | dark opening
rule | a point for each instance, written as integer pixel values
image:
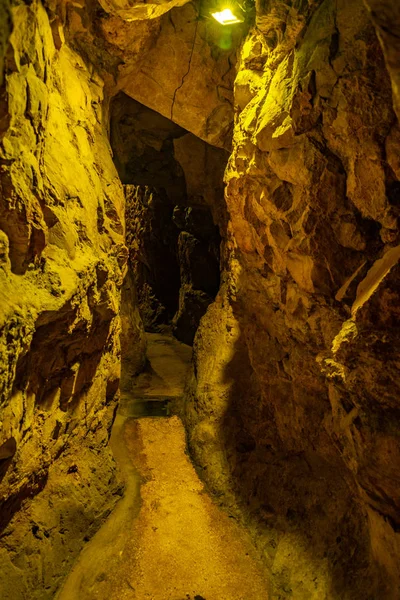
(173, 185)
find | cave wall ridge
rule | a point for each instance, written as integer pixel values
(62, 263)
(293, 406)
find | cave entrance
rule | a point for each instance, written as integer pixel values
(173, 184)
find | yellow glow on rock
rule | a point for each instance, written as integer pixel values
(226, 17)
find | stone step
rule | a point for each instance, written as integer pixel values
(146, 407)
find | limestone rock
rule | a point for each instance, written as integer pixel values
(133, 341)
(386, 17)
(199, 281)
(62, 264)
(171, 59)
(174, 189)
(294, 392)
(4, 33)
(293, 407)
(187, 76)
(203, 167)
(174, 258)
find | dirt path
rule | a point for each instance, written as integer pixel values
(166, 539)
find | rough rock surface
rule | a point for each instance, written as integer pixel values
(187, 75)
(198, 257)
(170, 58)
(62, 262)
(143, 144)
(293, 412)
(5, 21)
(151, 237)
(294, 408)
(133, 342)
(173, 259)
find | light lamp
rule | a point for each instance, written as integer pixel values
(227, 17)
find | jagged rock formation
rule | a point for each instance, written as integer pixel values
(173, 258)
(294, 410)
(62, 263)
(174, 199)
(167, 56)
(152, 242)
(63, 260)
(4, 33)
(198, 257)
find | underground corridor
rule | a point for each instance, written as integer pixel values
(173, 275)
(199, 300)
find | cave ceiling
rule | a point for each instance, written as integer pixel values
(170, 56)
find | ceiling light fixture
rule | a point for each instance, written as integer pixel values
(226, 17)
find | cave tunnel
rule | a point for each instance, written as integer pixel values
(199, 300)
(173, 184)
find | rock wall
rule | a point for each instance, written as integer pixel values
(62, 263)
(151, 237)
(169, 56)
(293, 408)
(4, 33)
(294, 403)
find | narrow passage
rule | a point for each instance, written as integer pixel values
(166, 539)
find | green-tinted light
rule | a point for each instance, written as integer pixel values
(226, 17)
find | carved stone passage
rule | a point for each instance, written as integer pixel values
(62, 261)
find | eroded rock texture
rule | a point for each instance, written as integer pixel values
(61, 268)
(295, 405)
(293, 411)
(152, 242)
(165, 55)
(173, 259)
(63, 259)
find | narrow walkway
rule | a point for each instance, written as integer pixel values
(166, 539)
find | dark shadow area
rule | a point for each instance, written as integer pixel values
(174, 192)
(75, 357)
(292, 484)
(7, 451)
(35, 484)
(59, 369)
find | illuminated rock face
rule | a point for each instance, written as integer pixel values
(166, 56)
(293, 409)
(295, 405)
(62, 264)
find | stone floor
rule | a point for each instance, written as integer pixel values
(166, 539)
